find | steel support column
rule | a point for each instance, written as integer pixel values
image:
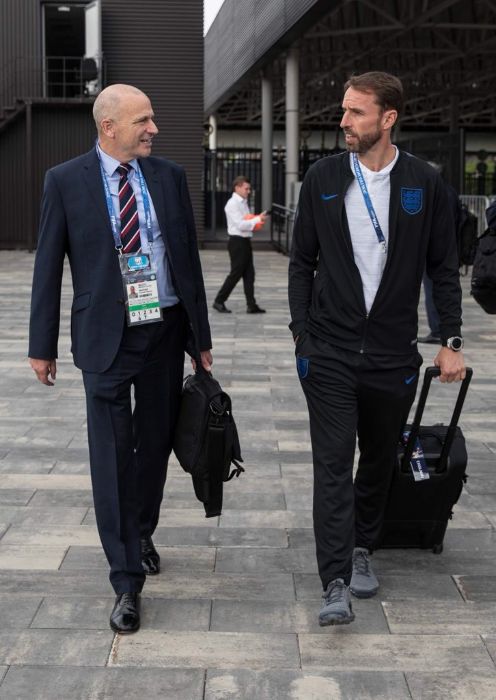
(212, 145)
(267, 137)
(292, 122)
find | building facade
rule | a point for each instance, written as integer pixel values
(55, 57)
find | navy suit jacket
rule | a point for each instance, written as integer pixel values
(75, 222)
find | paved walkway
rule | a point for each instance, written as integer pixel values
(233, 615)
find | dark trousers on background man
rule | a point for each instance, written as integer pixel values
(241, 255)
(348, 394)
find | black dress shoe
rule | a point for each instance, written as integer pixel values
(255, 310)
(125, 617)
(221, 308)
(150, 558)
(431, 339)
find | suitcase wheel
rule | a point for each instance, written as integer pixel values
(438, 548)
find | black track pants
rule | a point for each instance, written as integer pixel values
(349, 395)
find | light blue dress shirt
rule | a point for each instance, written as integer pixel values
(166, 292)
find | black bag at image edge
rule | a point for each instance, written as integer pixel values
(206, 441)
(417, 512)
(483, 283)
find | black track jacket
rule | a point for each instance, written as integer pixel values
(325, 287)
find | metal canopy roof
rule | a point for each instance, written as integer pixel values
(443, 50)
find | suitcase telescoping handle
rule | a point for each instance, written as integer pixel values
(429, 375)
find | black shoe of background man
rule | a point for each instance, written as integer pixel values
(221, 308)
(255, 309)
(150, 558)
(125, 617)
(431, 339)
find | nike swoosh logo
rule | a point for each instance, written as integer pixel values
(327, 197)
(409, 380)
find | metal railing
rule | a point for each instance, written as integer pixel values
(59, 77)
(281, 228)
(282, 220)
(482, 184)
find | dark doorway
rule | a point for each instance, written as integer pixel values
(64, 49)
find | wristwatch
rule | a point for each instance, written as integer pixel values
(455, 343)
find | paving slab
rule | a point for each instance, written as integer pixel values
(93, 613)
(45, 481)
(18, 611)
(394, 652)
(52, 536)
(30, 557)
(31, 517)
(418, 562)
(27, 583)
(16, 497)
(222, 586)
(291, 617)
(297, 560)
(266, 518)
(55, 647)
(455, 685)
(477, 588)
(52, 498)
(314, 685)
(431, 616)
(205, 650)
(172, 559)
(404, 587)
(94, 683)
(220, 537)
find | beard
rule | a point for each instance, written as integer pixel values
(363, 143)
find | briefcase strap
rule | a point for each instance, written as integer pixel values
(430, 373)
(215, 468)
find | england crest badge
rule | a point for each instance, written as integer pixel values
(412, 199)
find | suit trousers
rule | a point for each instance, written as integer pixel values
(348, 395)
(241, 255)
(130, 444)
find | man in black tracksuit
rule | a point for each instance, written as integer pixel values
(354, 287)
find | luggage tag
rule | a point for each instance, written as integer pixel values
(418, 465)
(139, 281)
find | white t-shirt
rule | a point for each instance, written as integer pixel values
(369, 254)
(236, 209)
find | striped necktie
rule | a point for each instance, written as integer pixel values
(130, 231)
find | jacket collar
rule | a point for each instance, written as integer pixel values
(347, 171)
(93, 178)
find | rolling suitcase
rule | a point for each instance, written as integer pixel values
(426, 486)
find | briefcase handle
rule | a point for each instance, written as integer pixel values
(429, 375)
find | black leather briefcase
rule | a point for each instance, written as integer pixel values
(206, 441)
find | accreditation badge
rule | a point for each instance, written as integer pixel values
(139, 282)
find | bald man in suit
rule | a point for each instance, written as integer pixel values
(129, 444)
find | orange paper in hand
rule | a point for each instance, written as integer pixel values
(252, 216)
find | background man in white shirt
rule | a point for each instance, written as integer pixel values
(240, 230)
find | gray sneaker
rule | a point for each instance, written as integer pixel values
(336, 608)
(364, 583)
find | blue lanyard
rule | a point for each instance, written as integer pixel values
(368, 202)
(113, 218)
